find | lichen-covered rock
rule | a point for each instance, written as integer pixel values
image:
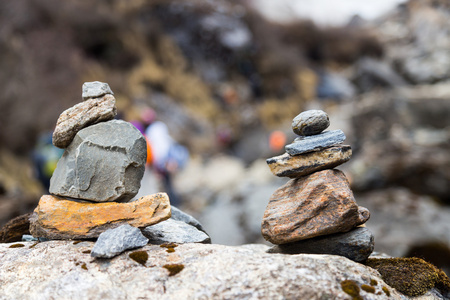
(173, 231)
(83, 114)
(357, 245)
(318, 204)
(57, 218)
(62, 270)
(320, 141)
(95, 89)
(304, 164)
(310, 122)
(112, 242)
(105, 162)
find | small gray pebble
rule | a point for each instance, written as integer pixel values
(310, 122)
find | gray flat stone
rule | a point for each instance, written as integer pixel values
(310, 122)
(315, 142)
(95, 89)
(105, 162)
(173, 231)
(356, 245)
(179, 215)
(307, 163)
(112, 242)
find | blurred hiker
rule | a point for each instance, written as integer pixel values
(45, 156)
(167, 156)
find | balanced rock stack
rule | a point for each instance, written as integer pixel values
(315, 212)
(99, 173)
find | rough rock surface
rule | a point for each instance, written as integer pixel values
(95, 89)
(357, 245)
(310, 122)
(80, 116)
(60, 269)
(315, 142)
(179, 215)
(307, 163)
(57, 218)
(15, 229)
(318, 204)
(172, 231)
(112, 242)
(105, 162)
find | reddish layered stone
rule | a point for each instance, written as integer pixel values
(318, 204)
(59, 218)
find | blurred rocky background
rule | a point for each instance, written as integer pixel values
(223, 76)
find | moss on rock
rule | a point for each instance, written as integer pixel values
(410, 276)
(139, 257)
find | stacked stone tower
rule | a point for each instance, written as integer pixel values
(315, 212)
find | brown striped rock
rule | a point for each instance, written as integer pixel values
(59, 218)
(318, 204)
(304, 164)
(82, 115)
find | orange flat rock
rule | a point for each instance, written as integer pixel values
(59, 218)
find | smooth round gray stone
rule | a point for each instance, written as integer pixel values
(95, 89)
(310, 122)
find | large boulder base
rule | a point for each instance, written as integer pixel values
(59, 218)
(65, 270)
(105, 162)
(318, 204)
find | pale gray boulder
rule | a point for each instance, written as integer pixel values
(62, 270)
(105, 162)
(112, 242)
(95, 89)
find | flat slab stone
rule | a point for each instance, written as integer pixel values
(318, 204)
(307, 163)
(105, 162)
(357, 245)
(59, 218)
(173, 231)
(82, 115)
(315, 142)
(310, 122)
(179, 215)
(112, 242)
(95, 89)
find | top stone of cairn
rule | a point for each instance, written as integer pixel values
(310, 122)
(95, 89)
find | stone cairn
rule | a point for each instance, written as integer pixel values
(315, 212)
(96, 178)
